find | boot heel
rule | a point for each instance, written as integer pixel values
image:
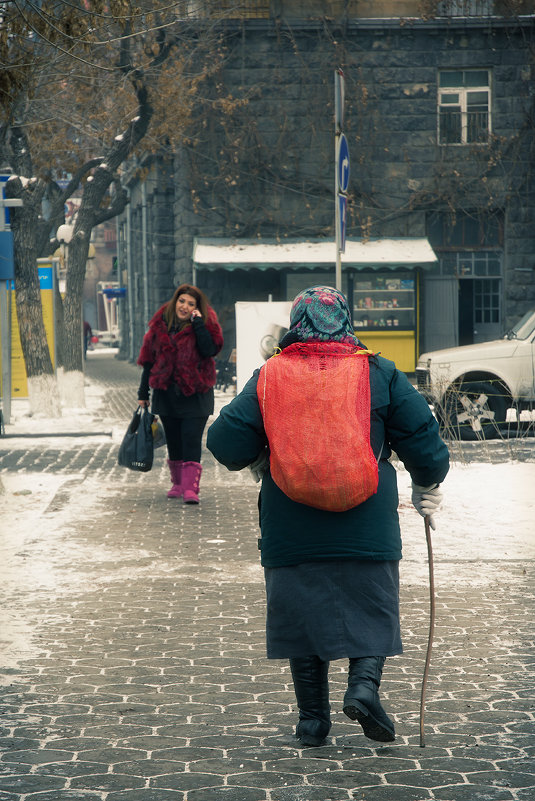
(354, 709)
(372, 728)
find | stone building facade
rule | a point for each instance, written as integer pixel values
(439, 120)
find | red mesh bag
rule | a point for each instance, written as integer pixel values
(315, 403)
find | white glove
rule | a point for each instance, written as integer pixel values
(259, 466)
(426, 500)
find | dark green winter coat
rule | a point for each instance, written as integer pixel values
(293, 533)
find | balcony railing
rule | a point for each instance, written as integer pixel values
(457, 127)
(227, 9)
(466, 8)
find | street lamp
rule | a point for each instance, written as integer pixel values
(64, 234)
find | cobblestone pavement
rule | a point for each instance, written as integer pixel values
(135, 670)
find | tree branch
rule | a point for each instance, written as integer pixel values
(20, 152)
(119, 203)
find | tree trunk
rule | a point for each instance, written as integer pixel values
(42, 388)
(72, 380)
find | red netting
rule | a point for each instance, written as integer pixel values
(315, 403)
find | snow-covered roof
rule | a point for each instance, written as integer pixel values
(212, 254)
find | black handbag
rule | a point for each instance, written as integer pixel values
(136, 451)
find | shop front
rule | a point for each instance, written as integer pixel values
(381, 279)
(385, 314)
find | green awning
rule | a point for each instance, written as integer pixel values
(369, 254)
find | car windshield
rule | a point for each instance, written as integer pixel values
(523, 328)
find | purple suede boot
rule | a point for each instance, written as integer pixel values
(175, 468)
(191, 477)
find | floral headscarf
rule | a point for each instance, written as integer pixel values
(321, 313)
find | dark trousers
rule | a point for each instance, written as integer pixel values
(184, 437)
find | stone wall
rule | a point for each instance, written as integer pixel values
(264, 163)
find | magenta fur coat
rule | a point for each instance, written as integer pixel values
(175, 358)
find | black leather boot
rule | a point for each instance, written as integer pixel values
(311, 685)
(361, 701)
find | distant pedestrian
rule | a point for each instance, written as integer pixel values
(88, 333)
(177, 356)
(319, 422)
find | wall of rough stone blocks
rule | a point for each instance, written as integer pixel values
(280, 183)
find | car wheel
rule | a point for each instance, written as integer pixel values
(474, 410)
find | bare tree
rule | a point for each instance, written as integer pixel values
(81, 87)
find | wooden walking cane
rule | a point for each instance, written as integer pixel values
(431, 626)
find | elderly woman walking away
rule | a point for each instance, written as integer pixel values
(319, 422)
(177, 359)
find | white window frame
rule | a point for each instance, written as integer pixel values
(462, 94)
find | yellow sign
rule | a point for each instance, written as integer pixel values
(19, 378)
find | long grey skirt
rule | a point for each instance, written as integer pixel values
(333, 610)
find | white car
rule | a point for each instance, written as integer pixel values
(473, 387)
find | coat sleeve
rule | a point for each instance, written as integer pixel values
(237, 436)
(143, 392)
(205, 341)
(213, 329)
(413, 433)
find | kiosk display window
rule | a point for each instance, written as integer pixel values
(381, 303)
(385, 315)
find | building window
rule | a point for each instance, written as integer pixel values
(466, 8)
(468, 245)
(231, 9)
(463, 264)
(458, 230)
(487, 301)
(463, 107)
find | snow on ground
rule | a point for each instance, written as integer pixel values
(488, 511)
(33, 428)
(485, 528)
(487, 515)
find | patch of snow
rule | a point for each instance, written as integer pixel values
(43, 396)
(71, 388)
(486, 516)
(73, 419)
(526, 416)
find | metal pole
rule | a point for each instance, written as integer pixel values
(5, 311)
(144, 259)
(338, 118)
(431, 626)
(338, 267)
(130, 282)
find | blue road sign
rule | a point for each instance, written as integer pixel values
(3, 178)
(343, 164)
